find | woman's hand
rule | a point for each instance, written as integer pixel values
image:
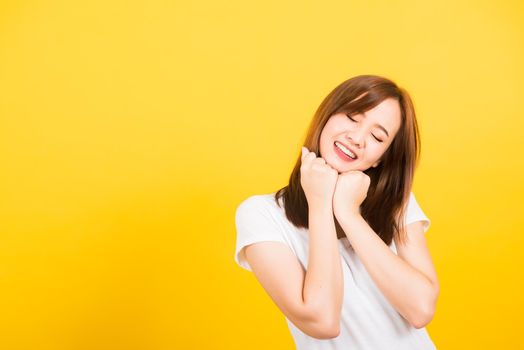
(318, 179)
(350, 191)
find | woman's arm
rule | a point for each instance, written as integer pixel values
(323, 286)
(411, 292)
(323, 283)
(311, 299)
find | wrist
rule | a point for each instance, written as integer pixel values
(319, 202)
(348, 217)
(321, 207)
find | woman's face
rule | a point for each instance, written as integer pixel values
(364, 136)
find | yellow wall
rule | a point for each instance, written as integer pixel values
(130, 130)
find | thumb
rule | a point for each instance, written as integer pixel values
(305, 151)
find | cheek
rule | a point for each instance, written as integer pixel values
(377, 152)
(323, 145)
(326, 136)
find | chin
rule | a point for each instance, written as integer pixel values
(341, 170)
(345, 170)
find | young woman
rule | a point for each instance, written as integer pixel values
(341, 249)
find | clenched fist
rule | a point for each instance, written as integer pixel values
(351, 190)
(318, 179)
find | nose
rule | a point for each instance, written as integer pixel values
(356, 137)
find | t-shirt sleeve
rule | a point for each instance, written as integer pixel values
(414, 213)
(255, 222)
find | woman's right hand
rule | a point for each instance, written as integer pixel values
(318, 179)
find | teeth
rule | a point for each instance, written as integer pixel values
(345, 150)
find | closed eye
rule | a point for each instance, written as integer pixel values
(351, 118)
(377, 138)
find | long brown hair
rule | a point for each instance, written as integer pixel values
(391, 181)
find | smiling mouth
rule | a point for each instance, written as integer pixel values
(345, 150)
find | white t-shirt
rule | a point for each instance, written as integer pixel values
(368, 321)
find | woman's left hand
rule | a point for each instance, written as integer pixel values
(350, 191)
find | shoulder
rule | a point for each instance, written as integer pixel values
(257, 220)
(415, 213)
(257, 203)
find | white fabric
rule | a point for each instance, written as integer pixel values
(368, 321)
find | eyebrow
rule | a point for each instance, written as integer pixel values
(380, 126)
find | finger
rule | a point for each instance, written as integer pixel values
(308, 156)
(320, 166)
(305, 152)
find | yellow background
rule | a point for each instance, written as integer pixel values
(131, 130)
